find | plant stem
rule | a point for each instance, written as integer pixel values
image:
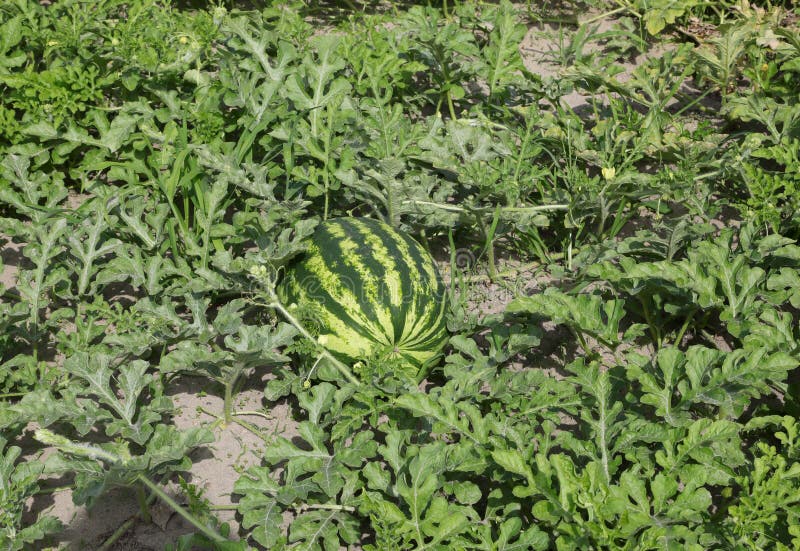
(244, 424)
(303, 507)
(522, 152)
(144, 508)
(603, 437)
(629, 7)
(54, 490)
(712, 339)
(490, 243)
(327, 507)
(118, 533)
(581, 341)
(163, 496)
(692, 103)
(452, 262)
(450, 105)
(112, 539)
(249, 426)
(227, 406)
(326, 173)
(601, 221)
(391, 212)
(569, 253)
(223, 507)
(343, 369)
(683, 329)
(655, 333)
(454, 208)
(326, 177)
(604, 15)
(311, 371)
(255, 413)
(12, 395)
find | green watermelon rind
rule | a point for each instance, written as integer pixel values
(370, 292)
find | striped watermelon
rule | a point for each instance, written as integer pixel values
(372, 292)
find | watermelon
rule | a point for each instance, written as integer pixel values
(369, 292)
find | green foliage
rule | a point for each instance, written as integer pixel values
(20, 481)
(160, 166)
(769, 501)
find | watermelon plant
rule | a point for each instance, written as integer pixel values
(234, 306)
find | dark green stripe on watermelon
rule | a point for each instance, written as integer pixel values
(376, 292)
(364, 258)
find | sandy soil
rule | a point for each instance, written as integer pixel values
(11, 256)
(214, 471)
